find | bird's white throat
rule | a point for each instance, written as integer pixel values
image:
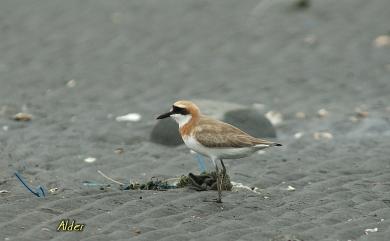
(181, 119)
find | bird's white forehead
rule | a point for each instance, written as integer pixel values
(180, 105)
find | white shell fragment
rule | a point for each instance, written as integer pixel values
(382, 41)
(354, 119)
(4, 191)
(290, 188)
(310, 39)
(298, 135)
(22, 117)
(258, 106)
(322, 135)
(90, 159)
(371, 230)
(71, 83)
(133, 117)
(53, 190)
(323, 113)
(119, 150)
(300, 115)
(274, 117)
(238, 185)
(360, 113)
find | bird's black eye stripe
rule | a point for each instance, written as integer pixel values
(179, 110)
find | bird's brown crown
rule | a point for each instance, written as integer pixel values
(189, 106)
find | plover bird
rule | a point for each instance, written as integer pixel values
(213, 138)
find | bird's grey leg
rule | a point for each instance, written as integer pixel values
(219, 199)
(223, 172)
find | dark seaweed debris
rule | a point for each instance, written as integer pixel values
(208, 181)
(153, 184)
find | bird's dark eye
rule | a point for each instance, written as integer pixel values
(179, 110)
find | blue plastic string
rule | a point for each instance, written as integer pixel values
(202, 166)
(39, 191)
(93, 183)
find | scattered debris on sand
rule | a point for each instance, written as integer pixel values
(202, 182)
(207, 181)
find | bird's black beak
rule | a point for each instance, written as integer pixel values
(165, 115)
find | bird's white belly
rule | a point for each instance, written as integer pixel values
(218, 153)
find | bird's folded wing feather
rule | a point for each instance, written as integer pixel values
(216, 134)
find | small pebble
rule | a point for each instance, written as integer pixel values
(90, 159)
(5, 128)
(133, 117)
(22, 117)
(302, 3)
(136, 231)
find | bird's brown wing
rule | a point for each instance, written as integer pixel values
(216, 134)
